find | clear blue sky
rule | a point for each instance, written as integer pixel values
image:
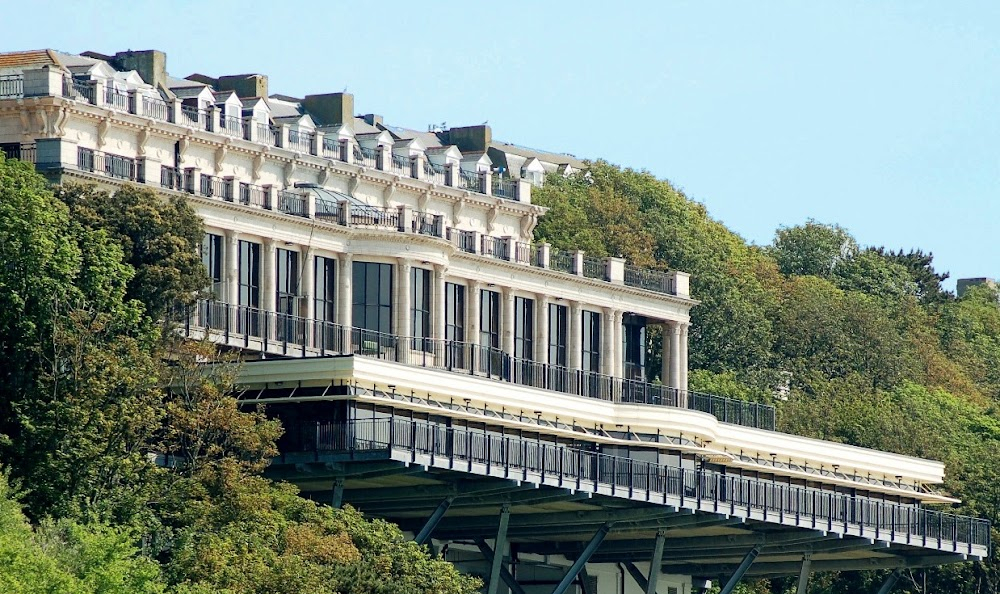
(882, 117)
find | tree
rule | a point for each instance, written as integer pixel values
(160, 239)
(921, 269)
(812, 249)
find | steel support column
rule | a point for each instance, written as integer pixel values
(499, 546)
(505, 575)
(581, 561)
(637, 576)
(804, 574)
(742, 569)
(890, 582)
(338, 493)
(656, 563)
(425, 533)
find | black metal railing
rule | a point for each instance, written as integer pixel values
(434, 173)
(494, 247)
(258, 196)
(300, 140)
(327, 209)
(651, 280)
(293, 204)
(493, 453)
(505, 188)
(562, 261)
(11, 86)
(402, 165)
(526, 253)
(119, 99)
(171, 178)
(594, 268)
(427, 224)
(80, 89)
(375, 216)
(333, 148)
(461, 357)
(194, 116)
(216, 187)
(268, 134)
(107, 164)
(472, 181)
(231, 126)
(27, 152)
(463, 240)
(158, 109)
(368, 157)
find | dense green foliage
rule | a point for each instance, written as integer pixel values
(84, 415)
(874, 352)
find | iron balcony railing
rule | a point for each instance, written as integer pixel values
(254, 328)
(119, 99)
(494, 247)
(368, 157)
(293, 204)
(562, 261)
(472, 181)
(463, 240)
(216, 187)
(171, 178)
(526, 253)
(268, 134)
(402, 165)
(80, 89)
(505, 188)
(327, 209)
(594, 268)
(427, 224)
(21, 151)
(196, 116)
(334, 149)
(258, 196)
(107, 164)
(231, 126)
(11, 86)
(651, 280)
(375, 216)
(492, 453)
(158, 109)
(434, 173)
(300, 140)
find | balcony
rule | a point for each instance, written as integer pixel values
(277, 333)
(11, 86)
(107, 164)
(489, 451)
(301, 140)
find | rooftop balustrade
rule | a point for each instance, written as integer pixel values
(273, 332)
(300, 140)
(471, 180)
(107, 164)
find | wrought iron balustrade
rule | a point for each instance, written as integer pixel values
(375, 216)
(80, 89)
(300, 140)
(171, 178)
(494, 247)
(156, 108)
(526, 253)
(119, 99)
(463, 240)
(562, 261)
(368, 157)
(427, 224)
(505, 187)
(459, 357)
(334, 149)
(258, 196)
(231, 126)
(492, 453)
(594, 268)
(402, 165)
(195, 116)
(434, 173)
(293, 204)
(328, 210)
(472, 181)
(115, 166)
(651, 280)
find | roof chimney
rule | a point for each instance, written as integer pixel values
(470, 138)
(330, 108)
(244, 85)
(372, 119)
(150, 64)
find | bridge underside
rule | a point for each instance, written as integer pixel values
(452, 506)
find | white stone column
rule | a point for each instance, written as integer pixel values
(307, 283)
(541, 336)
(268, 280)
(607, 342)
(401, 298)
(683, 385)
(675, 354)
(507, 321)
(472, 312)
(232, 268)
(345, 276)
(619, 334)
(403, 305)
(665, 354)
(437, 317)
(575, 340)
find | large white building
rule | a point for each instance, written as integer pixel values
(434, 366)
